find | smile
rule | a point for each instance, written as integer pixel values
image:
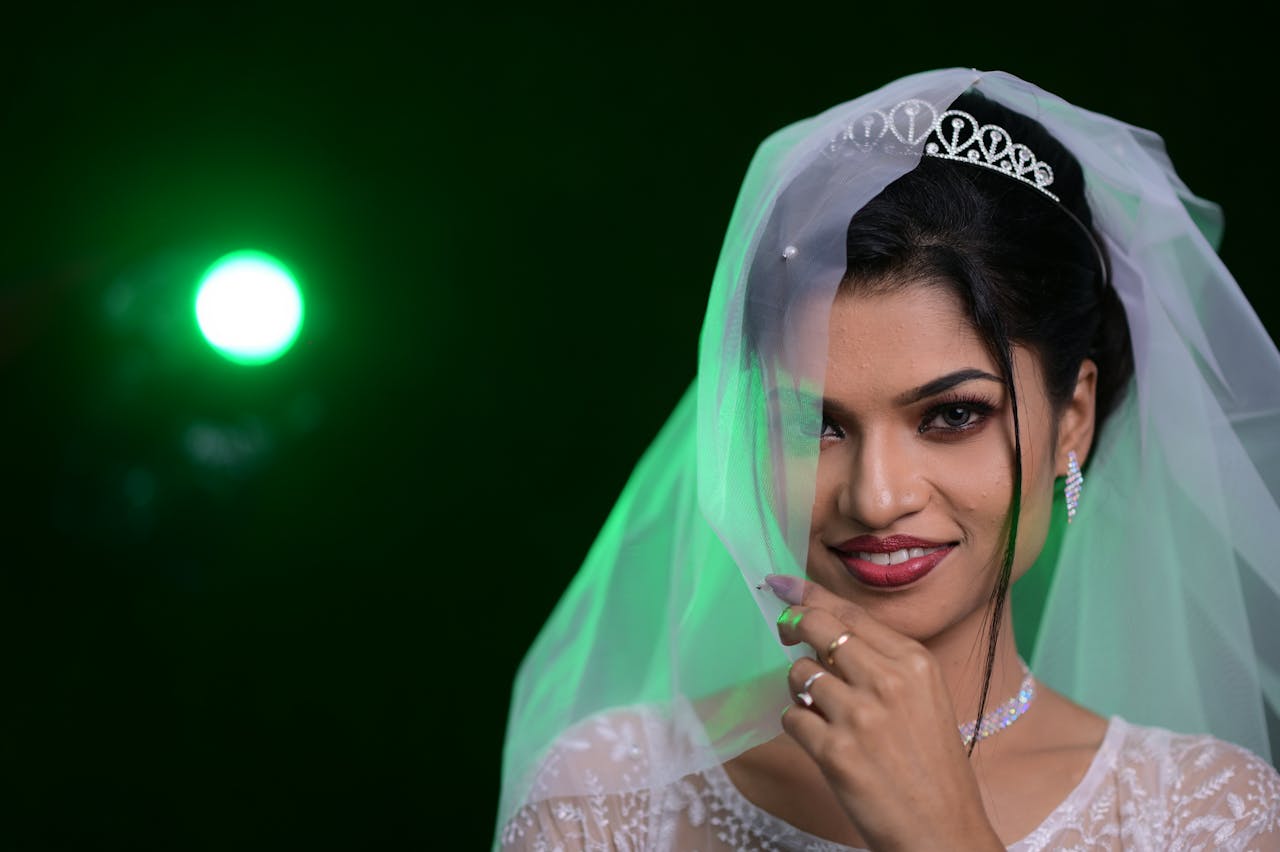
(897, 557)
(895, 568)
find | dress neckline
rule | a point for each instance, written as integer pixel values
(775, 826)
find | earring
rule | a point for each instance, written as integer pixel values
(1075, 481)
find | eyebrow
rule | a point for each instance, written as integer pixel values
(930, 388)
(945, 383)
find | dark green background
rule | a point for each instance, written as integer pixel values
(282, 607)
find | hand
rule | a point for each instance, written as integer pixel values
(880, 727)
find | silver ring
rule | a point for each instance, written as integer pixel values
(804, 698)
(808, 683)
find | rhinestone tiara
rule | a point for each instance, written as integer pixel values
(919, 128)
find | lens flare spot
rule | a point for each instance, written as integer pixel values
(248, 307)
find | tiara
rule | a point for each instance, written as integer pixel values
(919, 128)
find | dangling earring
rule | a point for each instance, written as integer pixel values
(1075, 480)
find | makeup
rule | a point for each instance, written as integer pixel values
(891, 562)
(789, 589)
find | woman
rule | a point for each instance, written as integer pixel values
(932, 304)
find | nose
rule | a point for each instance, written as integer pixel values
(885, 481)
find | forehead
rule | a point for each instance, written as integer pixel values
(882, 342)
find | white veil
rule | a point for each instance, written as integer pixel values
(1163, 601)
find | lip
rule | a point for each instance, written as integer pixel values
(871, 544)
(890, 576)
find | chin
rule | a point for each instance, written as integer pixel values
(913, 610)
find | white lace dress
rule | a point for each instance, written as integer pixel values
(1147, 788)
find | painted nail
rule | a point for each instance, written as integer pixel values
(789, 618)
(790, 589)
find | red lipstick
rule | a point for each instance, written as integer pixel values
(899, 574)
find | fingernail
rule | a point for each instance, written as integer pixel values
(790, 589)
(789, 618)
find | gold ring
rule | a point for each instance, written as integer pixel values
(835, 645)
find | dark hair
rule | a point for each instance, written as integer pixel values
(1024, 268)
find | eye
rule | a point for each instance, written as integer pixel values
(830, 431)
(957, 415)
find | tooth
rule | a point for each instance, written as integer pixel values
(916, 552)
(898, 557)
(879, 558)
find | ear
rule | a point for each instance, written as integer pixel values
(1075, 423)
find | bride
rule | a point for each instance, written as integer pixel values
(961, 333)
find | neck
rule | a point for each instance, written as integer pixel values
(961, 651)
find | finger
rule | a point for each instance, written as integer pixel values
(797, 591)
(807, 728)
(809, 681)
(876, 633)
(854, 660)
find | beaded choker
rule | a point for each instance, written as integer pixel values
(1004, 715)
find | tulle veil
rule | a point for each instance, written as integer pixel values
(1161, 603)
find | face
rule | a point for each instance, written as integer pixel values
(917, 441)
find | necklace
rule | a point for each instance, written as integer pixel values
(1004, 715)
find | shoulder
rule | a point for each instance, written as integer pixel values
(616, 749)
(1211, 792)
(594, 786)
(1187, 760)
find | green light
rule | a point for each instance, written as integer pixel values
(248, 307)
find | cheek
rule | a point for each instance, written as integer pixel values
(976, 478)
(1037, 511)
(826, 492)
(1037, 478)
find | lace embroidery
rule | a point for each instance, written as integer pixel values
(1147, 788)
